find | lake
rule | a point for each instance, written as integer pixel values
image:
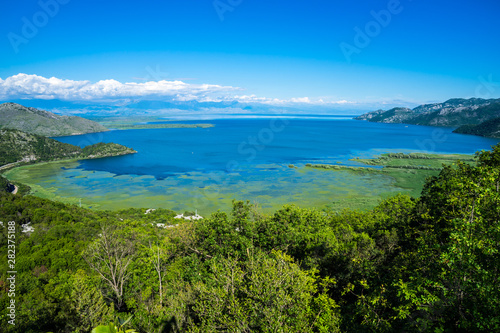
(242, 158)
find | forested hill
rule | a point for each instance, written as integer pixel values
(429, 264)
(18, 146)
(453, 113)
(44, 123)
(489, 128)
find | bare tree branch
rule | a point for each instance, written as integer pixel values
(110, 256)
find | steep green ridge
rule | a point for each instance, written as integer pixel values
(489, 128)
(453, 113)
(19, 147)
(44, 123)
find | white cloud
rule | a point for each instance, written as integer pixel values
(34, 86)
(301, 100)
(256, 99)
(27, 86)
(291, 101)
(342, 102)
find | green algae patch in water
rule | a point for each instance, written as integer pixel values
(270, 187)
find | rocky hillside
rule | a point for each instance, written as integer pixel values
(453, 113)
(17, 147)
(34, 121)
(489, 128)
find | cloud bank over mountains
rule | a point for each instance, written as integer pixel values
(39, 87)
(30, 87)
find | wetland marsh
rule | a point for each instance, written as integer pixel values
(204, 169)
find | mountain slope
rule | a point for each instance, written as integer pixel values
(18, 146)
(453, 113)
(31, 120)
(395, 115)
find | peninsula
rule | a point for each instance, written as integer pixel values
(18, 147)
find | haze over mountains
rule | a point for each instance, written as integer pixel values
(470, 116)
(129, 107)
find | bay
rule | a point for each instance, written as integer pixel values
(243, 158)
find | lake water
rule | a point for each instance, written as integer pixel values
(204, 169)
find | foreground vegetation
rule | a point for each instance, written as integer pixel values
(408, 265)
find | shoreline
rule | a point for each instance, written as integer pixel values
(4, 169)
(406, 180)
(75, 134)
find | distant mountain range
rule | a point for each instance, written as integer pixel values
(194, 108)
(472, 116)
(44, 123)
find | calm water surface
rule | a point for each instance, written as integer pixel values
(204, 169)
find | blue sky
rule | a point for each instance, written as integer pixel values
(424, 51)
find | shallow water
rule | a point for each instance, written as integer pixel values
(204, 169)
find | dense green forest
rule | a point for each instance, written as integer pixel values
(489, 128)
(409, 265)
(4, 185)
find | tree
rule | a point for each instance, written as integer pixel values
(456, 280)
(110, 256)
(88, 303)
(263, 293)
